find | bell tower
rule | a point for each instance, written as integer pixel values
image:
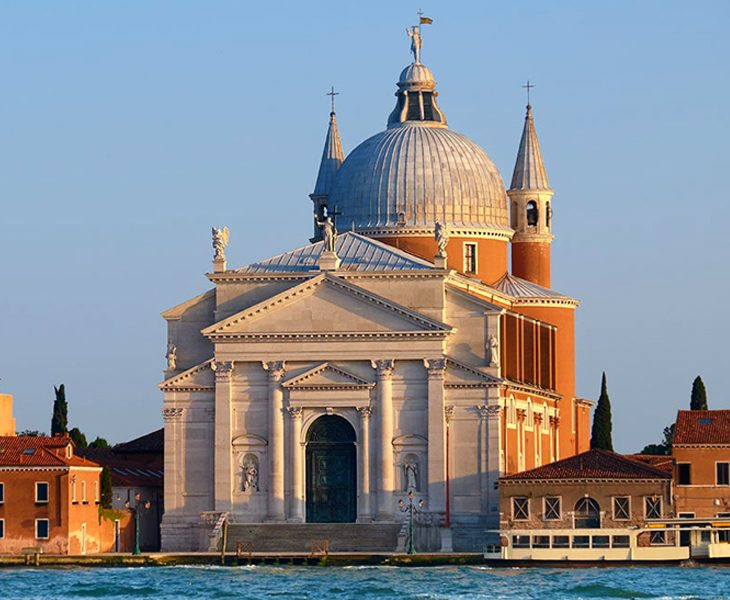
(530, 210)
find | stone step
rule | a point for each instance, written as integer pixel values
(297, 537)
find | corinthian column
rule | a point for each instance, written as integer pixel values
(436, 435)
(296, 508)
(384, 413)
(223, 475)
(276, 371)
(365, 516)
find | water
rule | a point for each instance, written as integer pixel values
(371, 583)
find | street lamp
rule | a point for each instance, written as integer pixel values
(135, 512)
(410, 509)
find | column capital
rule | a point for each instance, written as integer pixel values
(521, 414)
(487, 412)
(172, 414)
(555, 421)
(276, 369)
(435, 367)
(295, 412)
(365, 412)
(449, 413)
(383, 367)
(223, 370)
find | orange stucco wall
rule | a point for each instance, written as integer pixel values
(492, 254)
(66, 519)
(531, 261)
(536, 444)
(7, 422)
(574, 435)
(702, 496)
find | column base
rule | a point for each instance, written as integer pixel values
(295, 520)
(364, 519)
(275, 519)
(387, 518)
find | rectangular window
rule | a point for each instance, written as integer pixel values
(520, 541)
(2, 493)
(620, 541)
(73, 489)
(551, 510)
(41, 529)
(470, 257)
(599, 541)
(723, 536)
(2, 528)
(686, 515)
(621, 508)
(41, 492)
(561, 541)
(541, 541)
(722, 470)
(657, 538)
(581, 541)
(83, 492)
(653, 507)
(96, 491)
(521, 509)
(684, 474)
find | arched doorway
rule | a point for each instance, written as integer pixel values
(331, 471)
(587, 514)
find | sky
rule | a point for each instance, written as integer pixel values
(128, 129)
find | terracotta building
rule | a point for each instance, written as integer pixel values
(701, 452)
(49, 498)
(7, 422)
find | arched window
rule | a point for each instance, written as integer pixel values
(530, 419)
(587, 514)
(545, 419)
(531, 213)
(548, 214)
(512, 412)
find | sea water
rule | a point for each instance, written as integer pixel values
(343, 583)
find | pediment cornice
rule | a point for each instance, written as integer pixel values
(309, 380)
(184, 381)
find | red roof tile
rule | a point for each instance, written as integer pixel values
(38, 451)
(594, 464)
(655, 460)
(702, 427)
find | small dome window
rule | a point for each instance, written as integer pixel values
(531, 213)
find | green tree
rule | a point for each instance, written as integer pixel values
(99, 444)
(665, 447)
(59, 421)
(699, 395)
(601, 433)
(78, 437)
(106, 487)
(30, 433)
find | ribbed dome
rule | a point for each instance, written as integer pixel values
(414, 173)
(416, 73)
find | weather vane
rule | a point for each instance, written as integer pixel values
(528, 86)
(332, 93)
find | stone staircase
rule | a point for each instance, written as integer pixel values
(297, 537)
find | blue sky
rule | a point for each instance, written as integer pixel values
(129, 128)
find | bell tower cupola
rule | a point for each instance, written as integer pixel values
(530, 210)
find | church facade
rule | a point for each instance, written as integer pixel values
(327, 383)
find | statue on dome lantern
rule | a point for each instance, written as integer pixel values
(416, 42)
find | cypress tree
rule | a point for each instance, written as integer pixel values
(106, 487)
(59, 421)
(699, 395)
(601, 433)
(78, 437)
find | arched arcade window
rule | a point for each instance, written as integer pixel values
(532, 213)
(587, 514)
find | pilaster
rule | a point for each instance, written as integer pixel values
(436, 435)
(490, 416)
(223, 476)
(364, 515)
(276, 370)
(174, 454)
(296, 505)
(384, 412)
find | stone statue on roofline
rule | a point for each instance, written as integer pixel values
(329, 233)
(441, 234)
(416, 42)
(171, 356)
(220, 241)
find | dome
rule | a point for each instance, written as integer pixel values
(415, 74)
(414, 173)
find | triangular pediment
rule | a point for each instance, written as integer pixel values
(327, 375)
(461, 374)
(199, 377)
(326, 304)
